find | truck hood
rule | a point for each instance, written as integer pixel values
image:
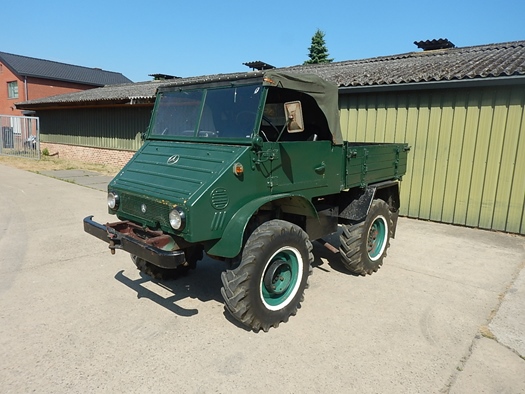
(175, 171)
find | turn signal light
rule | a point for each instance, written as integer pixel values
(238, 169)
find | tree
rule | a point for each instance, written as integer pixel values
(318, 52)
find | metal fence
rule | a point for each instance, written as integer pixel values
(20, 136)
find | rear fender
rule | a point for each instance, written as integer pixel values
(358, 208)
(232, 240)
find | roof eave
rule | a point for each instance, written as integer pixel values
(443, 84)
(82, 104)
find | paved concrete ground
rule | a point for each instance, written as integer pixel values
(73, 318)
(81, 177)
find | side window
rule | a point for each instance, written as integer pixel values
(12, 90)
(314, 120)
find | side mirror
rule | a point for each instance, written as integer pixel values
(294, 116)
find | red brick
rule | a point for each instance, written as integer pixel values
(89, 155)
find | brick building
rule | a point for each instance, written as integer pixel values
(25, 78)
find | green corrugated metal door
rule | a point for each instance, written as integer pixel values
(467, 163)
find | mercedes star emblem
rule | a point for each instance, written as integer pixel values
(173, 159)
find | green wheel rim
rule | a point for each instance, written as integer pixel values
(281, 278)
(377, 236)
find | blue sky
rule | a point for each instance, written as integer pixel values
(189, 38)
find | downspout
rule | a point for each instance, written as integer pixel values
(25, 88)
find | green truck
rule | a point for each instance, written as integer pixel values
(251, 168)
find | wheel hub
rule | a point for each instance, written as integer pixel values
(376, 238)
(281, 278)
(278, 277)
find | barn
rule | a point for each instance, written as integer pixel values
(461, 110)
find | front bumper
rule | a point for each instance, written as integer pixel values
(143, 243)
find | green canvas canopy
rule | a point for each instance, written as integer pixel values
(325, 94)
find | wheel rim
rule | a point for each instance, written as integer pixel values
(281, 278)
(377, 238)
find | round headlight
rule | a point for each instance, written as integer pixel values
(113, 200)
(177, 218)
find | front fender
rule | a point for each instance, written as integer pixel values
(231, 242)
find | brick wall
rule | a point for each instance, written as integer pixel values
(7, 105)
(89, 155)
(38, 88)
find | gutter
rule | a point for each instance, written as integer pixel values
(456, 83)
(77, 104)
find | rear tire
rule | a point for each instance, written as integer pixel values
(268, 286)
(364, 245)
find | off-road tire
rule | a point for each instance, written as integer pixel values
(364, 245)
(166, 273)
(268, 285)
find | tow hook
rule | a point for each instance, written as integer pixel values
(112, 246)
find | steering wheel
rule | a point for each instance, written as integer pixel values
(207, 133)
(267, 120)
(241, 114)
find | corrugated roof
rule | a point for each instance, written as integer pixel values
(129, 92)
(114, 93)
(453, 64)
(47, 69)
(493, 60)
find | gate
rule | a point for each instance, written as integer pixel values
(20, 136)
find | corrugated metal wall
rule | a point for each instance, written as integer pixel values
(467, 163)
(110, 128)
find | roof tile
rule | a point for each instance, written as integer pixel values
(40, 68)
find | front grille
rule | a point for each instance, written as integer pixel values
(155, 212)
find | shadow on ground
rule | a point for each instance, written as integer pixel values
(203, 284)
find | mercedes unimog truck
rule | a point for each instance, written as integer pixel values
(250, 169)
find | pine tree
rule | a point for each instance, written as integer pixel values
(318, 52)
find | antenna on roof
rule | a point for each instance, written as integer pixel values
(431, 45)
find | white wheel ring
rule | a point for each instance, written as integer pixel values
(297, 284)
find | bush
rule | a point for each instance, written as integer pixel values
(45, 152)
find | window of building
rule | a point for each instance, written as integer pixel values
(12, 89)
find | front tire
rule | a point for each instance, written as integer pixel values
(192, 256)
(364, 245)
(268, 286)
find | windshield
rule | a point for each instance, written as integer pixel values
(219, 113)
